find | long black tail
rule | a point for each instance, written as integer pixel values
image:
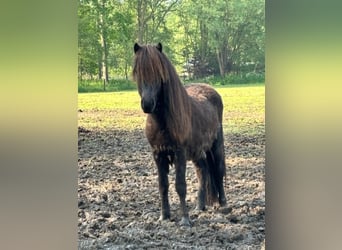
(211, 184)
(216, 171)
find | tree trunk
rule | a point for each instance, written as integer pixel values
(104, 61)
(200, 66)
(80, 69)
(100, 69)
(222, 56)
(222, 60)
(126, 70)
(104, 50)
(141, 11)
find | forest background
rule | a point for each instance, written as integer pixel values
(218, 41)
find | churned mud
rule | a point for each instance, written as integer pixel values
(118, 199)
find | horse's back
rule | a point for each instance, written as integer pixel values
(204, 93)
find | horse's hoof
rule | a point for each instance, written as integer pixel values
(223, 202)
(200, 208)
(185, 222)
(164, 217)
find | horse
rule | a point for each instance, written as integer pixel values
(183, 123)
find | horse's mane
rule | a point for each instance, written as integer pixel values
(151, 66)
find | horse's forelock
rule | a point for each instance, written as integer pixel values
(150, 66)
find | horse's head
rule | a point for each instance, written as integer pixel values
(149, 73)
(161, 90)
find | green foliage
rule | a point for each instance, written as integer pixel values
(221, 37)
(105, 33)
(233, 78)
(88, 86)
(112, 85)
(244, 78)
(201, 38)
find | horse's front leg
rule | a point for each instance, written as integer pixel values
(162, 163)
(180, 165)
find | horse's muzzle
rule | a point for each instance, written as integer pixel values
(148, 106)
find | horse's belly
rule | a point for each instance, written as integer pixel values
(198, 150)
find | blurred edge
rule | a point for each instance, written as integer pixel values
(38, 129)
(38, 139)
(303, 124)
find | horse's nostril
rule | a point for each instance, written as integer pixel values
(147, 106)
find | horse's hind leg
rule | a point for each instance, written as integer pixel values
(180, 165)
(219, 156)
(163, 170)
(201, 169)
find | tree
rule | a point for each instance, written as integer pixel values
(122, 39)
(195, 50)
(97, 17)
(219, 14)
(201, 38)
(247, 35)
(88, 46)
(232, 31)
(151, 18)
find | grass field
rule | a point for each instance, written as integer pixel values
(244, 109)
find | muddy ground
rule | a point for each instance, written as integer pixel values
(118, 199)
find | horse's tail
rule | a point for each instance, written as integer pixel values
(216, 171)
(211, 180)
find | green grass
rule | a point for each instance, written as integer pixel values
(89, 86)
(115, 110)
(122, 100)
(244, 109)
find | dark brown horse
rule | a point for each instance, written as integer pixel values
(183, 123)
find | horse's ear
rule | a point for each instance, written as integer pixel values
(159, 47)
(136, 47)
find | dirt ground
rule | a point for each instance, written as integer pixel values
(118, 199)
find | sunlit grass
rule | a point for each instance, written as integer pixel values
(125, 100)
(244, 109)
(115, 110)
